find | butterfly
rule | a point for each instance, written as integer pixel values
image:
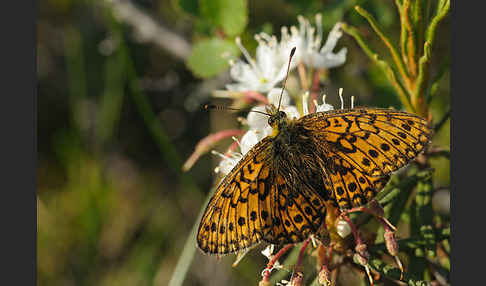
(278, 191)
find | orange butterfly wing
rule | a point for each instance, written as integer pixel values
(233, 218)
(362, 146)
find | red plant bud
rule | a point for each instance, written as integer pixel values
(361, 255)
(391, 242)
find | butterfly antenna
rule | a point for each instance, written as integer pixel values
(292, 52)
(218, 107)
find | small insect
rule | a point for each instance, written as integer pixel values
(280, 190)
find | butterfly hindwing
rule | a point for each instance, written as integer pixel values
(259, 200)
(296, 212)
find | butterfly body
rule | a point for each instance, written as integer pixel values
(280, 190)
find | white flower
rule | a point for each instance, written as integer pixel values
(248, 140)
(308, 45)
(274, 96)
(261, 74)
(324, 106)
(268, 251)
(227, 163)
(319, 107)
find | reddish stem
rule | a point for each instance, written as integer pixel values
(282, 251)
(386, 224)
(253, 95)
(301, 253)
(207, 142)
(354, 230)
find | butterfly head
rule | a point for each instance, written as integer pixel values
(277, 119)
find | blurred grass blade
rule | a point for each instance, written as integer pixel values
(112, 100)
(76, 75)
(182, 266)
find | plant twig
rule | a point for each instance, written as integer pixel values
(412, 64)
(393, 51)
(149, 30)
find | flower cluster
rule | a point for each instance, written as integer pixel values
(270, 66)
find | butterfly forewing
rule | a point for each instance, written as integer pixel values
(363, 146)
(239, 210)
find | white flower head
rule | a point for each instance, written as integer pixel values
(274, 97)
(228, 162)
(308, 44)
(261, 74)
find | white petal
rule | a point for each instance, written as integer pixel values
(228, 163)
(274, 97)
(305, 103)
(243, 73)
(247, 142)
(291, 111)
(256, 120)
(332, 38)
(265, 58)
(324, 107)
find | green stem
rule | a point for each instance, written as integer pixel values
(112, 100)
(412, 64)
(393, 51)
(387, 70)
(424, 62)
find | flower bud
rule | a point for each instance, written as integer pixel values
(361, 255)
(391, 242)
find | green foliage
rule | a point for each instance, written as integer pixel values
(190, 6)
(230, 16)
(210, 57)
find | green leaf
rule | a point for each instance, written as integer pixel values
(190, 6)
(230, 16)
(210, 57)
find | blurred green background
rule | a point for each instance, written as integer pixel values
(119, 110)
